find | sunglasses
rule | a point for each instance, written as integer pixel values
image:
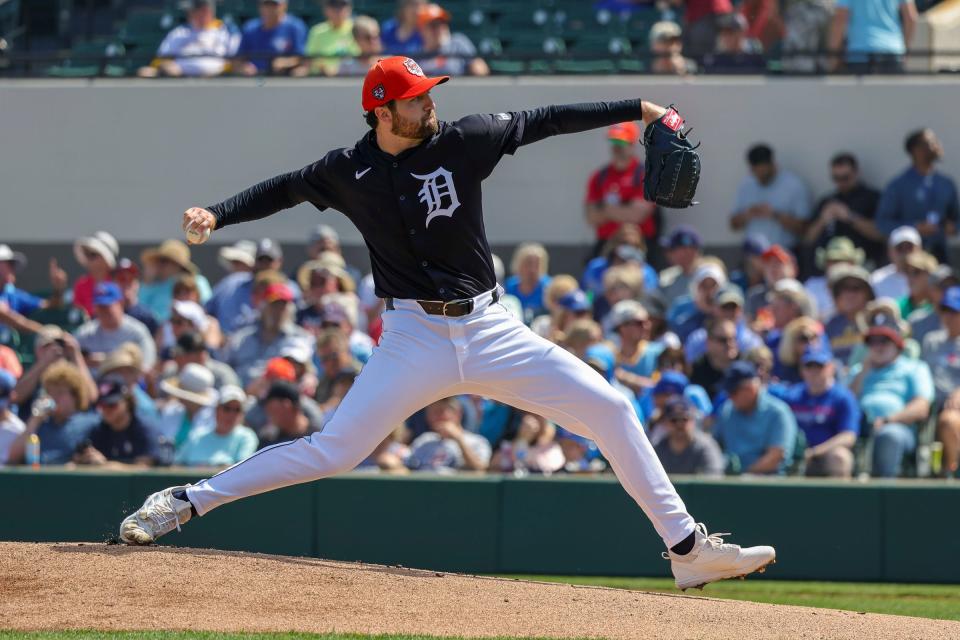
(724, 339)
(878, 341)
(813, 365)
(226, 408)
(806, 337)
(678, 420)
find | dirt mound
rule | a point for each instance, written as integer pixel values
(95, 586)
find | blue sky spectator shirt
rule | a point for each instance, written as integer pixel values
(888, 389)
(824, 416)
(748, 436)
(873, 27)
(287, 39)
(911, 198)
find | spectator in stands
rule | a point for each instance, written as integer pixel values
(334, 357)
(776, 264)
(721, 352)
(840, 250)
(700, 20)
(163, 266)
(366, 32)
(851, 289)
(10, 425)
(673, 382)
(620, 282)
(60, 419)
(111, 327)
(805, 25)
(330, 40)
(201, 47)
(615, 192)
(923, 322)
(446, 53)
(921, 196)
(686, 449)
(895, 393)
(551, 322)
(16, 305)
(636, 356)
(688, 313)
(890, 281)
(755, 428)
(920, 267)
(189, 408)
(190, 348)
(120, 439)
(799, 335)
(51, 345)
(235, 300)
(126, 364)
(575, 307)
(530, 265)
(127, 276)
(764, 24)
(941, 352)
(788, 301)
(625, 247)
(447, 445)
(848, 212)
(827, 413)
(248, 350)
(603, 360)
(401, 35)
(750, 271)
(238, 257)
(727, 305)
(340, 312)
(228, 442)
(319, 279)
(97, 254)
(533, 448)
(286, 419)
(735, 51)
(582, 334)
(683, 250)
(280, 369)
(666, 45)
(877, 34)
(273, 42)
(772, 202)
(304, 372)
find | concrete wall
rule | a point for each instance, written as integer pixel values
(131, 155)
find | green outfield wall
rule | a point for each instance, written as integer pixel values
(877, 531)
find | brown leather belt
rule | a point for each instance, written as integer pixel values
(451, 309)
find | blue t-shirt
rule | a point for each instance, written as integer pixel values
(287, 39)
(748, 436)
(19, 300)
(888, 389)
(592, 280)
(393, 46)
(911, 198)
(824, 416)
(532, 303)
(59, 443)
(873, 27)
(683, 317)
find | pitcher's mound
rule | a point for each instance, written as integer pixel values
(95, 586)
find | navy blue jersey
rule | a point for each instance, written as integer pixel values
(420, 212)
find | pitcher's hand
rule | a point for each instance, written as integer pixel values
(198, 224)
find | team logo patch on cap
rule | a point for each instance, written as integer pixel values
(379, 92)
(413, 67)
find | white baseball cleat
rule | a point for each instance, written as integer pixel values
(712, 559)
(160, 514)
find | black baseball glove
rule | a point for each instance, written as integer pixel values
(672, 164)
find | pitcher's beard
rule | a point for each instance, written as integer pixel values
(415, 130)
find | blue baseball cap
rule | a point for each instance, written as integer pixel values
(601, 357)
(819, 354)
(107, 293)
(951, 299)
(7, 383)
(738, 373)
(755, 244)
(682, 236)
(679, 407)
(671, 382)
(575, 301)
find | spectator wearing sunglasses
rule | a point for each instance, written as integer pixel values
(797, 336)
(920, 265)
(727, 305)
(895, 392)
(685, 449)
(851, 290)
(228, 442)
(827, 413)
(120, 439)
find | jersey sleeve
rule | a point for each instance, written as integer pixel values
(489, 136)
(313, 184)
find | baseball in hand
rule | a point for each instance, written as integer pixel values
(197, 236)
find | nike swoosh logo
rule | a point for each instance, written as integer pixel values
(360, 174)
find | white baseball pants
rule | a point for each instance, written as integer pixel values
(423, 358)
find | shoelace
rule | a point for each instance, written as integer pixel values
(716, 539)
(160, 514)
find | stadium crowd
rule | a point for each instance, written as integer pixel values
(687, 37)
(831, 349)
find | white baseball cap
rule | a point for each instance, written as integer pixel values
(708, 270)
(905, 234)
(193, 312)
(9, 255)
(100, 242)
(243, 251)
(232, 393)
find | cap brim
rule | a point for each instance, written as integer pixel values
(422, 87)
(620, 142)
(206, 400)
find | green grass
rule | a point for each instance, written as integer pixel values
(921, 600)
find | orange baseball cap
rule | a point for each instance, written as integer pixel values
(777, 252)
(280, 369)
(626, 132)
(395, 78)
(278, 291)
(430, 12)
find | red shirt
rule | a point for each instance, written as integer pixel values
(697, 9)
(83, 293)
(622, 187)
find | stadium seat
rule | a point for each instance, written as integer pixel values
(90, 59)
(146, 27)
(584, 66)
